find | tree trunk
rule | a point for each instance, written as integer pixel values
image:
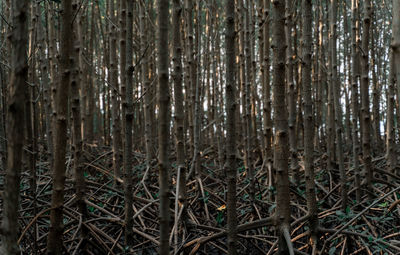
(335, 87)
(128, 104)
(294, 165)
(121, 14)
(390, 129)
(113, 73)
(230, 90)
(163, 123)
(191, 75)
(354, 94)
(54, 239)
(281, 149)
(53, 61)
(365, 113)
(377, 142)
(89, 86)
(15, 120)
(76, 129)
(144, 45)
(396, 46)
(267, 89)
(308, 119)
(180, 202)
(248, 106)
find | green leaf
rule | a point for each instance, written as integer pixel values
(385, 204)
(272, 207)
(91, 208)
(332, 250)
(340, 214)
(220, 217)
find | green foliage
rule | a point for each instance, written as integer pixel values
(384, 204)
(271, 208)
(206, 197)
(220, 217)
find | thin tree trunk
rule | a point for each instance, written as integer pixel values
(147, 87)
(267, 87)
(294, 165)
(375, 95)
(113, 73)
(163, 123)
(44, 72)
(242, 78)
(3, 142)
(281, 147)
(230, 90)
(331, 131)
(354, 95)
(53, 61)
(128, 104)
(90, 82)
(191, 76)
(179, 115)
(54, 239)
(390, 129)
(365, 112)
(308, 119)
(335, 85)
(196, 98)
(396, 46)
(76, 129)
(15, 120)
(248, 108)
(30, 111)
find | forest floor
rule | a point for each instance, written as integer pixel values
(365, 227)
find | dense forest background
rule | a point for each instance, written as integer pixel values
(200, 127)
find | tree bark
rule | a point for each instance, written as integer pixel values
(163, 123)
(54, 239)
(76, 128)
(230, 90)
(335, 87)
(396, 45)
(113, 74)
(281, 146)
(390, 129)
(308, 118)
(354, 94)
(248, 98)
(128, 104)
(15, 120)
(144, 45)
(294, 165)
(365, 112)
